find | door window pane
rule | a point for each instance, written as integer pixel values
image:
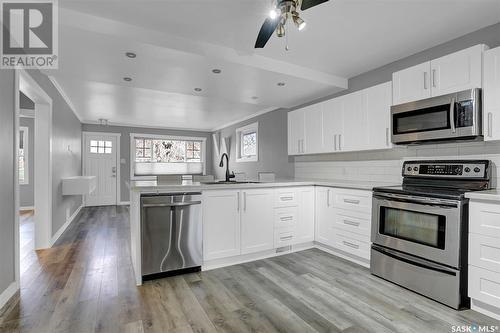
(101, 147)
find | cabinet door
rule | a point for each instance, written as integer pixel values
(305, 221)
(257, 221)
(221, 224)
(324, 216)
(295, 132)
(355, 123)
(411, 84)
(457, 71)
(313, 120)
(333, 124)
(491, 95)
(377, 105)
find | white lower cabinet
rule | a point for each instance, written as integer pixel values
(484, 257)
(221, 226)
(257, 220)
(343, 220)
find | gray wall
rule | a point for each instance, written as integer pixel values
(7, 181)
(26, 191)
(273, 149)
(66, 131)
(125, 148)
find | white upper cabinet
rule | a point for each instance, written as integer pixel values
(355, 123)
(491, 95)
(411, 84)
(313, 128)
(296, 131)
(452, 73)
(457, 71)
(257, 220)
(377, 105)
(333, 124)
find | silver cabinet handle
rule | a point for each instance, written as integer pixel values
(298, 146)
(327, 198)
(302, 144)
(387, 143)
(238, 206)
(452, 116)
(335, 142)
(286, 218)
(286, 198)
(340, 141)
(490, 124)
(354, 224)
(352, 201)
(354, 246)
(434, 78)
(244, 201)
(286, 238)
(425, 80)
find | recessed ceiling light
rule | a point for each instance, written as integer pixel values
(198, 89)
(131, 54)
(128, 79)
(255, 97)
(216, 71)
(281, 84)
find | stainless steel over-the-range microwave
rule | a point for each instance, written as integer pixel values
(447, 117)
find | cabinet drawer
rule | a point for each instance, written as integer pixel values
(285, 197)
(285, 217)
(484, 252)
(484, 285)
(351, 243)
(353, 222)
(485, 219)
(284, 237)
(360, 201)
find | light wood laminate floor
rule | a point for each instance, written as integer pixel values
(85, 284)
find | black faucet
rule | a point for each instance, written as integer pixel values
(221, 164)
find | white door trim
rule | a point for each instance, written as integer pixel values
(118, 163)
(43, 166)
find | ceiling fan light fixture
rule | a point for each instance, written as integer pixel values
(280, 31)
(300, 23)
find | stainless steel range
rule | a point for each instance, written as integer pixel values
(419, 230)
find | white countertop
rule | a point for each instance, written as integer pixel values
(488, 195)
(153, 186)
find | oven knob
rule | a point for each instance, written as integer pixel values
(476, 169)
(415, 169)
(467, 169)
(409, 169)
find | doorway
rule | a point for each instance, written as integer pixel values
(101, 153)
(37, 221)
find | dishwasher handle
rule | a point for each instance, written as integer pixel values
(172, 204)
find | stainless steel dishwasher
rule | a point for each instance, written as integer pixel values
(171, 234)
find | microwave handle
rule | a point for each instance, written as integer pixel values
(452, 116)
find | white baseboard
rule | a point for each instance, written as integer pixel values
(8, 293)
(124, 203)
(360, 261)
(63, 228)
(485, 309)
(27, 208)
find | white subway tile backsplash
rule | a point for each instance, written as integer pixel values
(385, 166)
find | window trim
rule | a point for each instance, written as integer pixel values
(254, 127)
(133, 136)
(26, 180)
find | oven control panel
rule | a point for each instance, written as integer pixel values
(446, 169)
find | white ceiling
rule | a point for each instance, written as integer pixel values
(179, 42)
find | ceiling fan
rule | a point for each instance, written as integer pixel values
(283, 11)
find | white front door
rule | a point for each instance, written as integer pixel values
(100, 161)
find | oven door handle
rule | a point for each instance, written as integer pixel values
(420, 201)
(452, 116)
(415, 261)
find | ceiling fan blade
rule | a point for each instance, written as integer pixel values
(306, 4)
(266, 31)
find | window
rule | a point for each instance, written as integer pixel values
(23, 156)
(247, 143)
(101, 147)
(159, 155)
